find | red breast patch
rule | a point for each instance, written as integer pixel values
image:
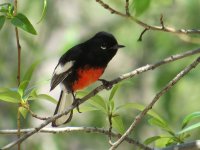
(87, 76)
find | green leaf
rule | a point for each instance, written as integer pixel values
(192, 127)
(23, 112)
(140, 107)
(10, 96)
(28, 74)
(81, 94)
(114, 90)
(86, 108)
(118, 124)
(183, 136)
(22, 88)
(162, 141)
(140, 6)
(2, 89)
(162, 125)
(33, 93)
(98, 102)
(112, 104)
(2, 21)
(10, 10)
(44, 97)
(43, 11)
(3, 10)
(156, 122)
(151, 140)
(190, 117)
(22, 22)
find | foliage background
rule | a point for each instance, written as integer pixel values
(68, 23)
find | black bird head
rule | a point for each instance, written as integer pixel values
(103, 47)
(106, 41)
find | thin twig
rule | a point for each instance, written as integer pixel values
(112, 11)
(18, 70)
(33, 114)
(155, 99)
(18, 79)
(18, 126)
(127, 8)
(36, 116)
(18, 46)
(110, 128)
(18, 57)
(102, 87)
(140, 38)
(161, 21)
(145, 25)
(77, 129)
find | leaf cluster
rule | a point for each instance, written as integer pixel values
(171, 136)
(24, 93)
(19, 20)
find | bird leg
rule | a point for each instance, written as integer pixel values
(76, 102)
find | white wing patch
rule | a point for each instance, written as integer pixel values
(63, 68)
(66, 101)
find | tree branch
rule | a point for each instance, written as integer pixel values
(102, 87)
(155, 65)
(155, 99)
(18, 46)
(77, 129)
(110, 115)
(35, 115)
(18, 69)
(191, 145)
(147, 26)
(185, 146)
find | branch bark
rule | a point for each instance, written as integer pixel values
(77, 129)
(155, 99)
(195, 145)
(102, 87)
(145, 25)
(18, 70)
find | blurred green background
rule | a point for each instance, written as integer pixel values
(69, 22)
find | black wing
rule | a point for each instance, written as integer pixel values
(64, 65)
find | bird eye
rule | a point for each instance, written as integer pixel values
(103, 46)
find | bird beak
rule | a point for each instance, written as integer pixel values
(117, 46)
(120, 46)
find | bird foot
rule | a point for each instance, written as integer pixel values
(76, 103)
(106, 83)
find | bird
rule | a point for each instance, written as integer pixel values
(79, 67)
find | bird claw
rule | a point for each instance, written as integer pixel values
(106, 83)
(77, 103)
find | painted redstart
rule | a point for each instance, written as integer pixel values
(79, 67)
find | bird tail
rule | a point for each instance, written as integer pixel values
(64, 101)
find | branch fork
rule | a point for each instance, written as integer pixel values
(115, 81)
